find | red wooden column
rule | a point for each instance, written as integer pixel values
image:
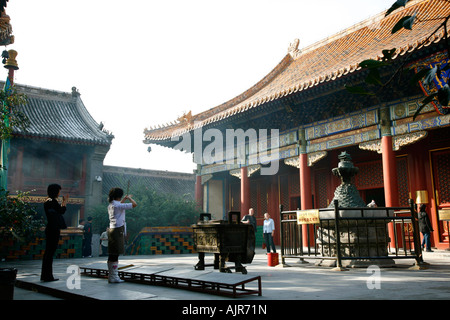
(305, 182)
(389, 172)
(389, 167)
(199, 191)
(245, 192)
(82, 189)
(198, 188)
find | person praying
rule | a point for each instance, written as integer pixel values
(55, 222)
(117, 230)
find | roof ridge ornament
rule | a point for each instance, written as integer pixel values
(75, 92)
(186, 118)
(293, 49)
(6, 36)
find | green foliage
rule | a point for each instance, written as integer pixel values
(11, 114)
(405, 22)
(154, 209)
(373, 77)
(395, 6)
(444, 95)
(18, 216)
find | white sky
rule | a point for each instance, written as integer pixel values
(139, 63)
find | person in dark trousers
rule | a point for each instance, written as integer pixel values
(425, 227)
(268, 231)
(55, 222)
(87, 248)
(116, 233)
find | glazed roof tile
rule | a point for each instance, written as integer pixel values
(59, 116)
(324, 61)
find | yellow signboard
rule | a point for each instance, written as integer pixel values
(42, 199)
(308, 216)
(444, 214)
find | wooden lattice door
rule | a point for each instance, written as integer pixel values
(259, 197)
(235, 197)
(441, 176)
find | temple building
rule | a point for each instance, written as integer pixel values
(276, 143)
(63, 144)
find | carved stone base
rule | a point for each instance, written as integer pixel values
(359, 263)
(357, 242)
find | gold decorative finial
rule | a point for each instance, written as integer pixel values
(11, 62)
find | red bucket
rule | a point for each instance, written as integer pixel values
(272, 259)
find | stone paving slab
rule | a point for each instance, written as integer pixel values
(212, 282)
(302, 282)
(88, 289)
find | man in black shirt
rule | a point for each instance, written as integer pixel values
(250, 218)
(55, 222)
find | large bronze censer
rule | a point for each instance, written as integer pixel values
(229, 241)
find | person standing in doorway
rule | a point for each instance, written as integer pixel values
(268, 231)
(425, 227)
(55, 222)
(116, 232)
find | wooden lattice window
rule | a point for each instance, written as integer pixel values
(370, 175)
(321, 188)
(442, 175)
(284, 192)
(403, 184)
(294, 185)
(235, 203)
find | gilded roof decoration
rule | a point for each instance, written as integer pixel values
(324, 61)
(6, 36)
(397, 143)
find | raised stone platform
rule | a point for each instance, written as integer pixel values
(212, 282)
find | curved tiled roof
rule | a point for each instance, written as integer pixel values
(326, 60)
(59, 116)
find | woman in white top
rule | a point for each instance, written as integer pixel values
(116, 232)
(268, 231)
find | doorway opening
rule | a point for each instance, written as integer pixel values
(374, 194)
